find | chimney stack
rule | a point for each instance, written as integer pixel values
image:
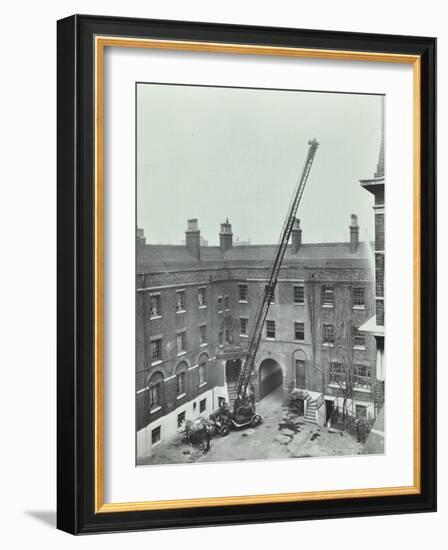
(296, 236)
(193, 238)
(354, 234)
(226, 236)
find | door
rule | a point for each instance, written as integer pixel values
(300, 373)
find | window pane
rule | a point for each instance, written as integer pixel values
(327, 295)
(180, 419)
(202, 297)
(156, 350)
(328, 334)
(180, 301)
(299, 296)
(270, 329)
(154, 305)
(299, 331)
(358, 296)
(155, 435)
(180, 381)
(181, 342)
(243, 292)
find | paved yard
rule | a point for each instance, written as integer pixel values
(281, 435)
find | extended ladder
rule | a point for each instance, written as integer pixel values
(254, 341)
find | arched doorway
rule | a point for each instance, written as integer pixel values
(271, 377)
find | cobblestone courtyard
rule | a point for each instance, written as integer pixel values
(281, 435)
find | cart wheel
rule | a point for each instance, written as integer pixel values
(224, 431)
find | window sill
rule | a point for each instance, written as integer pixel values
(154, 317)
(203, 307)
(156, 409)
(203, 384)
(181, 311)
(181, 395)
(328, 306)
(299, 340)
(243, 301)
(362, 390)
(300, 304)
(156, 443)
(181, 353)
(361, 308)
(244, 336)
(359, 348)
(156, 362)
(219, 310)
(204, 345)
(327, 345)
(270, 338)
(336, 386)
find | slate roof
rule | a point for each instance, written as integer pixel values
(151, 258)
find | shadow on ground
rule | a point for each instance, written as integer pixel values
(47, 517)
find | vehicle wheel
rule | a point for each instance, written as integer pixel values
(256, 421)
(224, 431)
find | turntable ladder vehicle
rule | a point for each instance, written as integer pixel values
(248, 364)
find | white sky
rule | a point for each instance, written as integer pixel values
(217, 153)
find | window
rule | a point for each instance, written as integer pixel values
(243, 326)
(270, 291)
(202, 373)
(156, 350)
(180, 382)
(327, 295)
(328, 334)
(202, 405)
(155, 391)
(155, 435)
(226, 303)
(362, 377)
(180, 300)
(270, 329)
(299, 295)
(154, 305)
(299, 331)
(359, 340)
(358, 296)
(220, 337)
(337, 373)
(180, 420)
(181, 342)
(221, 401)
(203, 334)
(243, 293)
(202, 297)
(219, 304)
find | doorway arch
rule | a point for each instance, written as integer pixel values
(270, 377)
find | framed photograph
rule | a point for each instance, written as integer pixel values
(246, 274)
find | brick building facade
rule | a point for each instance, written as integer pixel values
(194, 311)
